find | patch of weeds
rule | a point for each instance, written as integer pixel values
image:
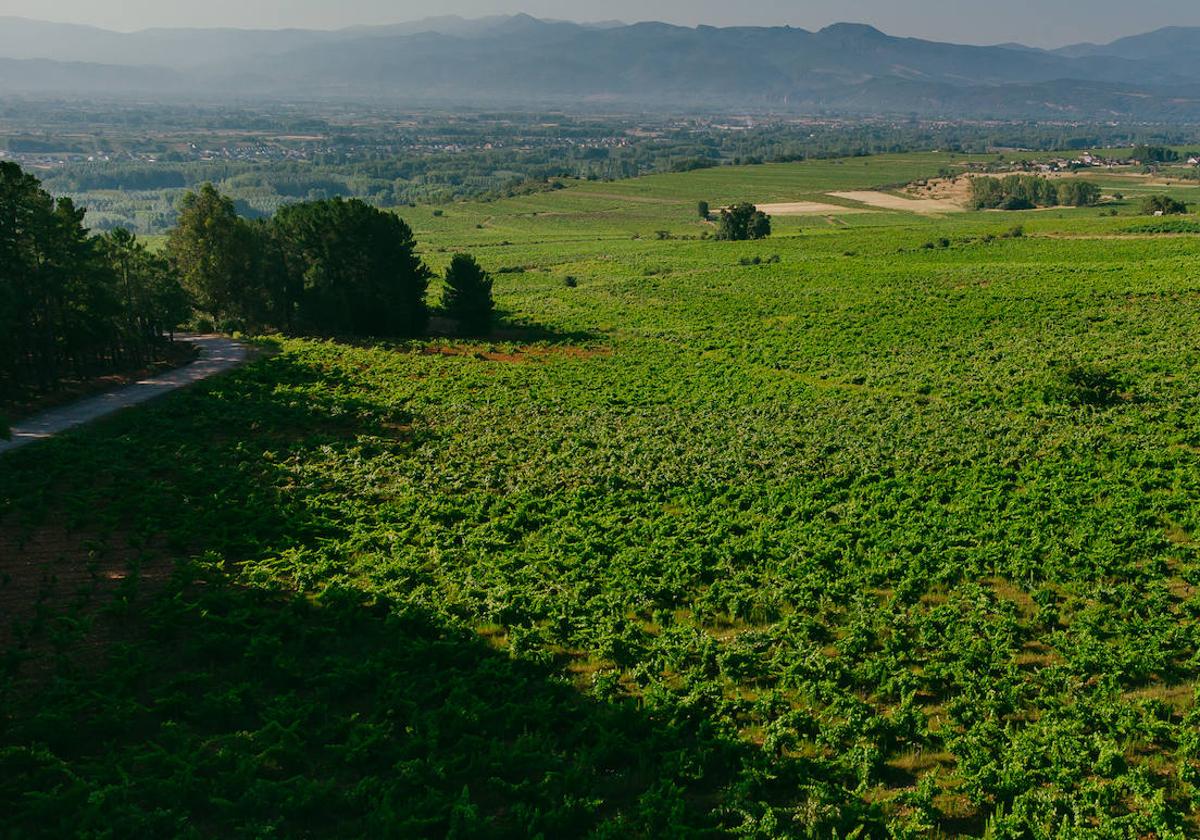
(1084, 384)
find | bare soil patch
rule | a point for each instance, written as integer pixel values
(956, 189)
(49, 572)
(807, 208)
(890, 201)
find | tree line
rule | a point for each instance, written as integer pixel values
(1025, 192)
(76, 305)
(73, 304)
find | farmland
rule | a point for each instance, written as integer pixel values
(894, 534)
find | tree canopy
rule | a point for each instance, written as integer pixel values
(1025, 192)
(72, 304)
(213, 251)
(76, 304)
(467, 295)
(350, 269)
(742, 222)
(1163, 205)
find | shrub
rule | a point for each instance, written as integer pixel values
(570, 282)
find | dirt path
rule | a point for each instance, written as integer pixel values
(217, 355)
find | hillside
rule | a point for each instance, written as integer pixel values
(885, 526)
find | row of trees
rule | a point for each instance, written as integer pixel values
(330, 267)
(73, 304)
(1154, 154)
(1025, 192)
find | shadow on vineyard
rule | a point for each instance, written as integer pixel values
(1085, 385)
(192, 700)
(230, 706)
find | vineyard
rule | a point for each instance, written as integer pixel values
(882, 527)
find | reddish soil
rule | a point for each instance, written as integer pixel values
(49, 572)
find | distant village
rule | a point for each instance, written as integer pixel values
(1088, 160)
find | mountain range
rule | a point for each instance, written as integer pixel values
(523, 61)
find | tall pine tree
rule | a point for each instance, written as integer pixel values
(467, 296)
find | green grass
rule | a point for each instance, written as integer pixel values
(854, 540)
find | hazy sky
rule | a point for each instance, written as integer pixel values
(1039, 22)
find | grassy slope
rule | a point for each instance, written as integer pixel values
(796, 547)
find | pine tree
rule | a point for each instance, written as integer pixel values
(468, 295)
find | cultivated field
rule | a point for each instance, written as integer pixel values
(895, 536)
(902, 203)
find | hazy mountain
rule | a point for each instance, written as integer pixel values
(1171, 51)
(178, 48)
(525, 59)
(1151, 46)
(460, 27)
(25, 38)
(36, 75)
(522, 60)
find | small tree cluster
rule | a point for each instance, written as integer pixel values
(743, 222)
(1163, 205)
(1025, 192)
(330, 267)
(348, 269)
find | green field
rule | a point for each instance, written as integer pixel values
(892, 536)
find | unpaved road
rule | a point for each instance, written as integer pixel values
(217, 355)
